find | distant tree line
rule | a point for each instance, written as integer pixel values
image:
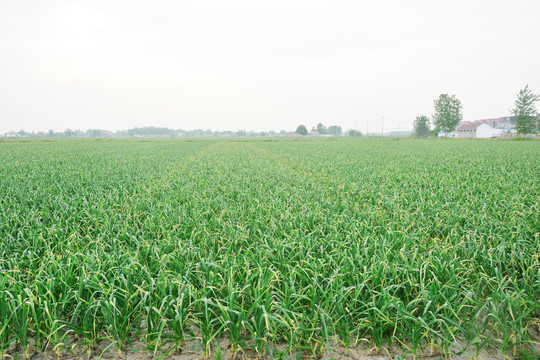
(151, 131)
(320, 129)
(147, 131)
(446, 117)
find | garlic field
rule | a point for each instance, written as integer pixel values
(278, 247)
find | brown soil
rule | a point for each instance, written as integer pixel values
(192, 349)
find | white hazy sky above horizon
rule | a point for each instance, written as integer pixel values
(260, 65)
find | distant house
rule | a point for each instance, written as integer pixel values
(493, 127)
(477, 130)
(494, 122)
(292, 134)
(503, 122)
(498, 123)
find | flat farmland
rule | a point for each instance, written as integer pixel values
(281, 248)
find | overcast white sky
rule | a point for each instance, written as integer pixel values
(260, 65)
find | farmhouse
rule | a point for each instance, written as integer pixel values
(477, 130)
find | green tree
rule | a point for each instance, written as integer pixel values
(334, 130)
(421, 126)
(301, 129)
(447, 113)
(321, 129)
(96, 133)
(527, 120)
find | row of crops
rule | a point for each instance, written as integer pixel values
(302, 244)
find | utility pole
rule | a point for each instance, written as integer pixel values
(367, 127)
(382, 126)
(398, 127)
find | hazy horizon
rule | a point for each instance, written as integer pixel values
(259, 66)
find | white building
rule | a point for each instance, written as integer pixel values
(485, 131)
(478, 131)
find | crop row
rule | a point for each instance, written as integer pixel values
(427, 244)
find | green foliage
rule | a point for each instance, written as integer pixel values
(421, 126)
(447, 113)
(93, 133)
(334, 130)
(151, 131)
(524, 108)
(302, 130)
(269, 243)
(321, 129)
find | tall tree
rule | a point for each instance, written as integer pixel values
(321, 129)
(447, 113)
(301, 129)
(334, 130)
(527, 119)
(421, 126)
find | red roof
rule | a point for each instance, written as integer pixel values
(468, 126)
